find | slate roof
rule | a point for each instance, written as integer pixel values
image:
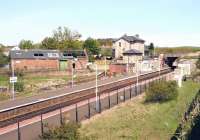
(46, 54)
(72, 54)
(132, 52)
(131, 39)
(34, 54)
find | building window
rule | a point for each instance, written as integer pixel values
(36, 54)
(53, 55)
(40, 54)
(120, 44)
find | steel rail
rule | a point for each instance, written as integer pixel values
(31, 109)
(73, 92)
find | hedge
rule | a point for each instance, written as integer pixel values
(160, 91)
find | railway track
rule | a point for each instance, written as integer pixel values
(26, 111)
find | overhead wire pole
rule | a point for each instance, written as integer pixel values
(73, 68)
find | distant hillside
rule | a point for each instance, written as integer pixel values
(182, 49)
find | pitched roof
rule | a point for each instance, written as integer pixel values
(70, 54)
(131, 39)
(46, 54)
(132, 52)
(34, 54)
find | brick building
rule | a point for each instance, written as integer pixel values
(28, 60)
(34, 60)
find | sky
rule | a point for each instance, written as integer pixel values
(166, 23)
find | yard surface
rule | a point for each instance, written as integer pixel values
(34, 85)
(135, 120)
(4, 80)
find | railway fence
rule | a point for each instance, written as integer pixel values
(78, 109)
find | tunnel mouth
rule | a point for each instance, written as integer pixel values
(170, 60)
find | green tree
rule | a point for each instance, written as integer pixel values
(151, 49)
(106, 42)
(106, 51)
(67, 39)
(26, 44)
(92, 46)
(198, 63)
(3, 58)
(49, 43)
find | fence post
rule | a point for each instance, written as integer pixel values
(130, 91)
(117, 97)
(145, 85)
(109, 99)
(76, 112)
(124, 94)
(18, 130)
(136, 90)
(42, 125)
(99, 104)
(88, 108)
(61, 118)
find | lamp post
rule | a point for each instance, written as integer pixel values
(73, 68)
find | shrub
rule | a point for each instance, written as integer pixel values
(19, 86)
(4, 96)
(67, 131)
(19, 73)
(161, 91)
(91, 58)
(198, 63)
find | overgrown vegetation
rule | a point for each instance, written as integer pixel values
(184, 49)
(198, 63)
(160, 91)
(4, 80)
(19, 86)
(106, 51)
(188, 127)
(67, 131)
(4, 96)
(3, 58)
(135, 120)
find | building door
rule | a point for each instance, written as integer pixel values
(63, 65)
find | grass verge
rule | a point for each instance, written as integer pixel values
(135, 120)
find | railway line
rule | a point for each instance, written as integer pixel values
(25, 111)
